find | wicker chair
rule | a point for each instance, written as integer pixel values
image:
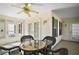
(50, 41)
(26, 37)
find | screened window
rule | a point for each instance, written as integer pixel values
(54, 27)
(60, 28)
(20, 28)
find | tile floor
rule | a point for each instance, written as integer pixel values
(73, 47)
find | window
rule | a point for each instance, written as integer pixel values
(2, 28)
(75, 31)
(20, 28)
(60, 28)
(29, 28)
(36, 30)
(11, 30)
(54, 27)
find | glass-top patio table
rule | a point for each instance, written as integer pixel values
(33, 46)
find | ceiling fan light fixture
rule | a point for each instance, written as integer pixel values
(26, 8)
(28, 13)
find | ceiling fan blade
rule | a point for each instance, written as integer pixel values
(26, 4)
(35, 11)
(37, 4)
(28, 13)
(16, 6)
(19, 12)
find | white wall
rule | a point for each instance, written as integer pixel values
(45, 29)
(66, 28)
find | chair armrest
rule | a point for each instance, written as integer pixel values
(3, 48)
(14, 47)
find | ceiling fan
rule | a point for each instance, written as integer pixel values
(26, 8)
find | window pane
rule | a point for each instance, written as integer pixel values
(20, 28)
(75, 31)
(54, 27)
(36, 30)
(60, 28)
(11, 30)
(29, 28)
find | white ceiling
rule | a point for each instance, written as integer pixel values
(67, 12)
(58, 8)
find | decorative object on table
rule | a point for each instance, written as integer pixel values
(36, 44)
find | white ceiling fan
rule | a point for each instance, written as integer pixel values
(26, 8)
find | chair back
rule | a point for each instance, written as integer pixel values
(26, 37)
(49, 41)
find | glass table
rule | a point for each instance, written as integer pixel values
(32, 46)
